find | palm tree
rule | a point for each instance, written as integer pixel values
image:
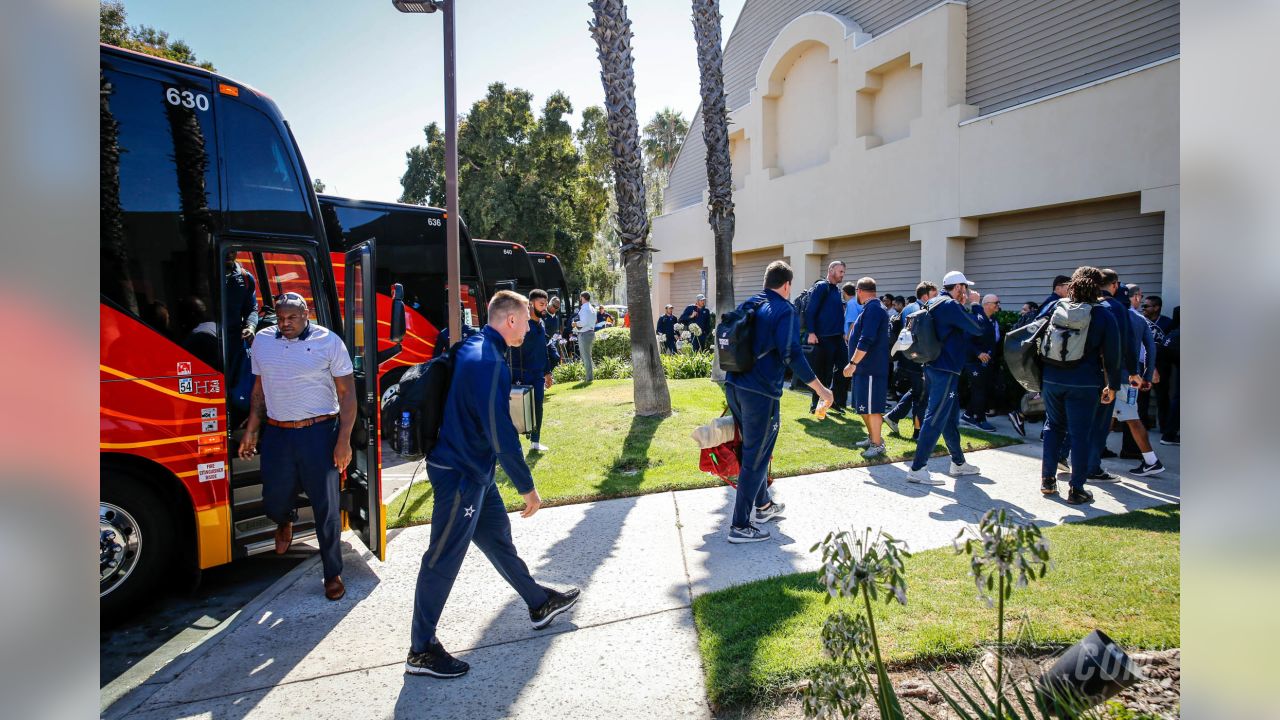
(663, 135)
(611, 30)
(715, 134)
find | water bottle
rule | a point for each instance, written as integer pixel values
(406, 433)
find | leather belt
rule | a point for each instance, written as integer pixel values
(295, 424)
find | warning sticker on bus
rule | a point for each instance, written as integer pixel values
(208, 472)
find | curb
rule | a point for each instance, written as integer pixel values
(133, 699)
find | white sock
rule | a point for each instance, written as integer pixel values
(1149, 458)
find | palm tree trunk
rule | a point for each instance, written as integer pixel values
(715, 134)
(611, 30)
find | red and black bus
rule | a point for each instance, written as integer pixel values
(411, 254)
(207, 213)
(506, 266)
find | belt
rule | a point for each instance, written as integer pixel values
(295, 424)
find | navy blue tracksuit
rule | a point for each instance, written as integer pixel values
(981, 375)
(530, 365)
(754, 396)
(694, 315)
(476, 435)
(1119, 308)
(667, 329)
(955, 325)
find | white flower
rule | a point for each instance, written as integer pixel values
(679, 327)
(685, 335)
(695, 329)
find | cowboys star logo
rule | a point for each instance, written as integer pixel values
(469, 511)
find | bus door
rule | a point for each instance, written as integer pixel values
(362, 487)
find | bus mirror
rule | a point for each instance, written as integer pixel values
(397, 313)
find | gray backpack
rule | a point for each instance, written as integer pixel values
(1062, 342)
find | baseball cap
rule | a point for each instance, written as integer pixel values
(292, 299)
(668, 306)
(700, 296)
(955, 277)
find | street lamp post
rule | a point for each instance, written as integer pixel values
(450, 157)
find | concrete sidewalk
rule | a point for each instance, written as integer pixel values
(629, 648)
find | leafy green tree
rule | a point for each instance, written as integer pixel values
(113, 29)
(521, 177)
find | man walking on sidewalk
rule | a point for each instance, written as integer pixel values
(306, 396)
(824, 316)
(754, 399)
(869, 365)
(476, 433)
(955, 324)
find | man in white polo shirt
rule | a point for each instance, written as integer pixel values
(305, 394)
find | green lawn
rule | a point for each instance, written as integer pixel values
(1118, 574)
(599, 449)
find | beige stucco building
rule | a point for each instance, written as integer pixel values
(1010, 139)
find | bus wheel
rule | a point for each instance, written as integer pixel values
(135, 542)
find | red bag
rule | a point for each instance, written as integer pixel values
(724, 460)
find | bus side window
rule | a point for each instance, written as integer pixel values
(263, 190)
(158, 193)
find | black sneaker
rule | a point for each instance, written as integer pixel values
(557, 602)
(969, 420)
(1107, 453)
(1145, 470)
(435, 662)
(1103, 477)
(1048, 486)
(1170, 439)
(1079, 496)
(1064, 466)
(1019, 423)
(915, 434)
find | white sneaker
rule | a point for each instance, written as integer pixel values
(874, 451)
(965, 469)
(539, 447)
(922, 477)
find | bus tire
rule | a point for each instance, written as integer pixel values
(136, 542)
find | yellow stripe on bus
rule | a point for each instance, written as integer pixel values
(213, 528)
(147, 443)
(147, 383)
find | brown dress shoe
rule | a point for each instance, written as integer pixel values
(334, 589)
(284, 537)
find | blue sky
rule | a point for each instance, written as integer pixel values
(358, 80)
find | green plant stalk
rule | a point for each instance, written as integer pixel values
(889, 709)
(1000, 650)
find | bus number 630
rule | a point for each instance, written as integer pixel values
(187, 99)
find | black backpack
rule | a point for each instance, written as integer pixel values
(801, 303)
(735, 337)
(1022, 353)
(422, 391)
(925, 346)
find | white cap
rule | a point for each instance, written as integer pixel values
(955, 277)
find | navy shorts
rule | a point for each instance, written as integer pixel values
(869, 394)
